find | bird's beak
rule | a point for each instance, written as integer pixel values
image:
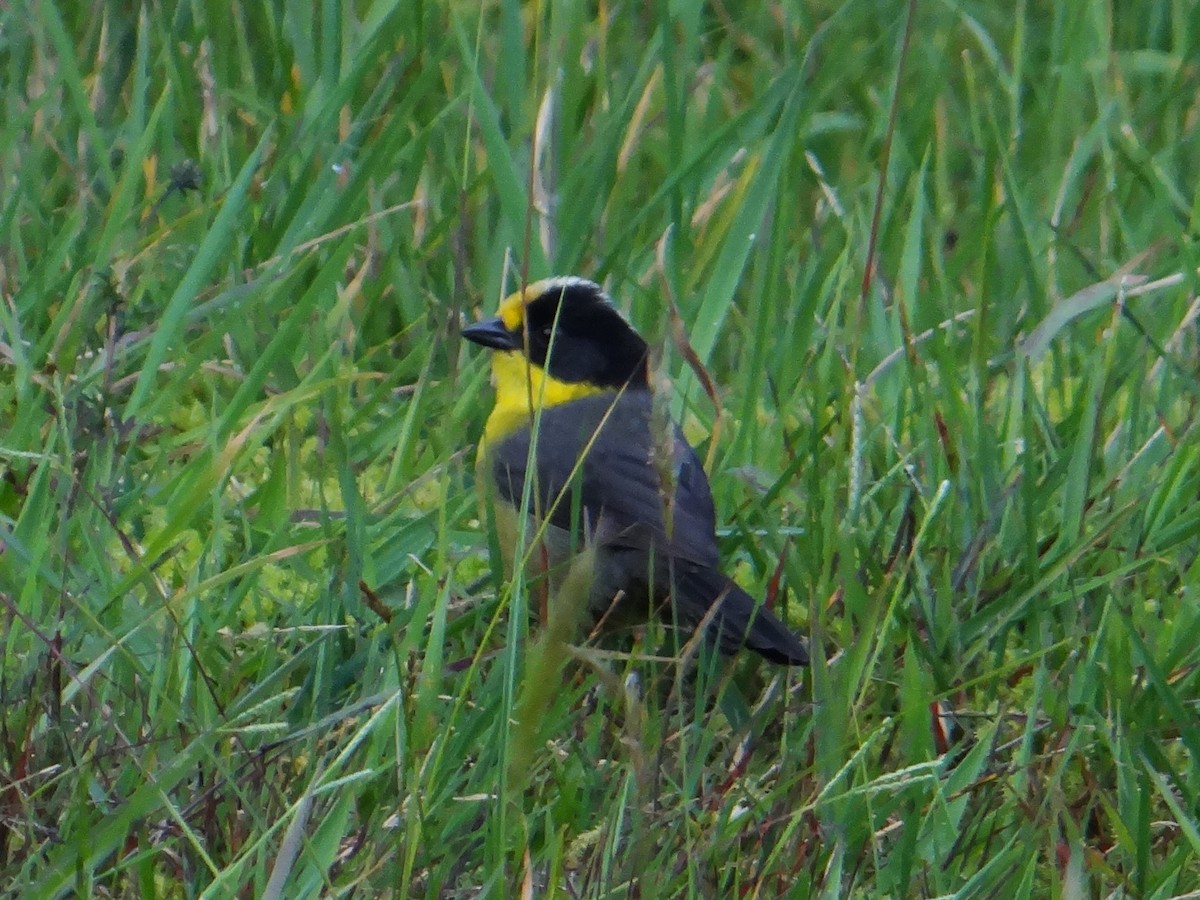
(492, 333)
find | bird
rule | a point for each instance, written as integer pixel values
(578, 437)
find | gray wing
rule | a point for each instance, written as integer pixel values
(618, 487)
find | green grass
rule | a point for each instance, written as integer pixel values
(252, 641)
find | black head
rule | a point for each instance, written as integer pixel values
(569, 327)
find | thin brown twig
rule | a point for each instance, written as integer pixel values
(877, 214)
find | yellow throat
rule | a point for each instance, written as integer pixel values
(521, 389)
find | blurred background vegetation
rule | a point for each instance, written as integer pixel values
(252, 641)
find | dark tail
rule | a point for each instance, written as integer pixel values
(740, 621)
